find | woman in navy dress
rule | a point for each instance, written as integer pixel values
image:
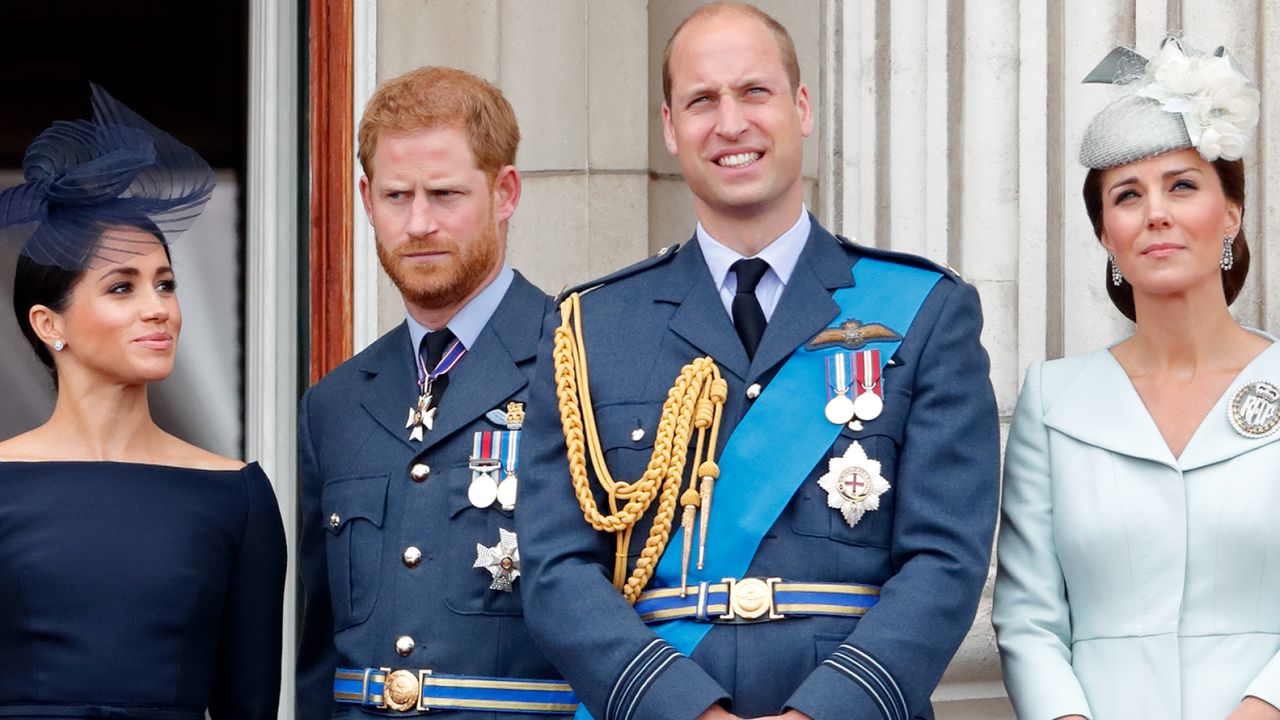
(140, 577)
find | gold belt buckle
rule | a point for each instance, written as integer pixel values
(751, 599)
(402, 689)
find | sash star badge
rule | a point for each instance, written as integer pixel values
(853, 483)
(501, 560)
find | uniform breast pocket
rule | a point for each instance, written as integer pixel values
(626, 436)
(354, 509)
(468, 588)
(822, 513)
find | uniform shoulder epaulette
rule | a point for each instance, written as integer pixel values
(902, 257)
(662, 256)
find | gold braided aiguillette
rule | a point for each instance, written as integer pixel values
(695, 401)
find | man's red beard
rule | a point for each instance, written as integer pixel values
(444, 284)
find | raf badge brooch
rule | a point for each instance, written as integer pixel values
(1255, 409)
(855, 394)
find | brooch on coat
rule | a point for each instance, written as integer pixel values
(1255, 409)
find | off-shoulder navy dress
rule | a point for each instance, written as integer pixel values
(144, 592)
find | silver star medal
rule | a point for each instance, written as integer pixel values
(853, 483)
(422, 417)
(502, 560)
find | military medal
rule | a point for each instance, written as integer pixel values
(839, 409)
(1255, 409)
(494, 454)
(501, 560)
(853, 483)
(422, 415)
(486, 463)
(869, 404)
(509, 486)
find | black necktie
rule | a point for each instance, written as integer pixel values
(432, 349)
(748, 317)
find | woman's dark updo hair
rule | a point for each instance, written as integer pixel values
(51, 285)
(1231, 174)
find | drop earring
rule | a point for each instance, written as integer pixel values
(1116, 277)
(1228, 255)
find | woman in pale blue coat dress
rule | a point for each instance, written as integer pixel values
(1139, 553)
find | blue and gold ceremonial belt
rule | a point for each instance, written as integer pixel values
(755, 600)
(425, 691)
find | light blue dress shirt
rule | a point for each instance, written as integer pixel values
(473, 316)
(781, 254)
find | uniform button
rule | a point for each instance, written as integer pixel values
(753, 391)
(419, 471)
(404, 645)
(637, 435)
(412, 556)
(334, 521)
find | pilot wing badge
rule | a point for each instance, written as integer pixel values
(852, 334)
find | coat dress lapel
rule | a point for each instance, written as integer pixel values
(1216, 440)
(1100, 406)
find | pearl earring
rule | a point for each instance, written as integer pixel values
(58, 345)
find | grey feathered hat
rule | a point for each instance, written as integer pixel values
(1178, 99)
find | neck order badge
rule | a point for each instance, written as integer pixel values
(422, 415)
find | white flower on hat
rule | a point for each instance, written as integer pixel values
(1218, 104)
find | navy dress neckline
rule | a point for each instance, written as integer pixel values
(140, 591)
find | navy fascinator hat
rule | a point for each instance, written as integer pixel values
(91, 184)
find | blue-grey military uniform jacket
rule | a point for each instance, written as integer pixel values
(927, 545)
(360, 595)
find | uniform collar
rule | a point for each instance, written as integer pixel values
(782, 254)
(471, 319)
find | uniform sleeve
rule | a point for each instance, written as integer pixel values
(620, 669)
(317, 655)
(246, 683)
(948, 491)
(1031, 615)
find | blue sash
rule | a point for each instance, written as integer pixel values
(750, 494)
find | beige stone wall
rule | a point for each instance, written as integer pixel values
(945, 127)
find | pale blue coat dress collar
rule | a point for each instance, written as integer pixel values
(1122, 424)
